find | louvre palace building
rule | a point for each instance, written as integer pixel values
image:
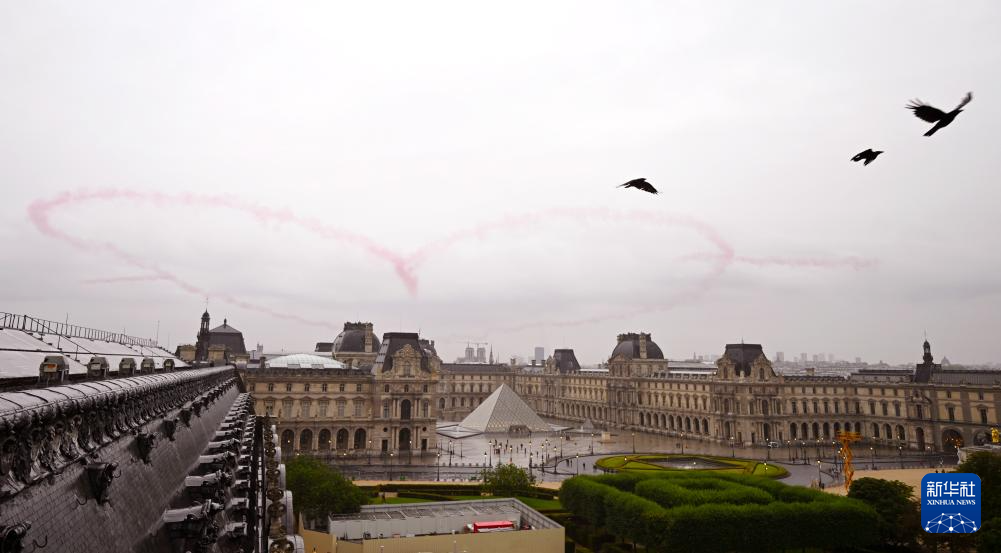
(362, 396)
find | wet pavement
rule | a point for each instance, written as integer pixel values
(557, 456)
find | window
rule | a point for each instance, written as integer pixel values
(424, 408)
(794, 408)
(980, 395)
(952, 413)
(358, 388)
(358, 407)
(983, 416)
(306, 407)
(269, 407)
(424, 388)
(287, 408)
(406, 388)
(271, 386)
(385, 409)
(385, 388)
(827, 407)
(254, 387)
(324, 404)
(341, 404)
(323, 387)
(882, 391)
(948, 394)
(340, 387)
(306, 387)
(288, 387)
(896, 409)
(858, 408)
(920, 410)
(872, 408)
(885, 413)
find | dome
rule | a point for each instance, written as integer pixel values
(303, 361)
(352, 339)
(629, 346)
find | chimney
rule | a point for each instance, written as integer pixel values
(643, 337)
(368, 337)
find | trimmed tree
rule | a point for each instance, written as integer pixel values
(899, 514)
(508, 481)
(319, 490)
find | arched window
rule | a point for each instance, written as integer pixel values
(306, 440)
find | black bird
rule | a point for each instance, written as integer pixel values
(869, 156)
(640, 184)
(935, 115)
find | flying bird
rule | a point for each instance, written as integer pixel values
(869, 156)
(934, 115)
(640, 184)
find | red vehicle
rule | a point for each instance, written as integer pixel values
(492, 526)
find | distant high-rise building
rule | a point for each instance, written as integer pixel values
(540, 354)
(802, 358)
(481, 354)
(469, 353)
(858, 360)
(780, 356)
(817, 358)
(830, 357)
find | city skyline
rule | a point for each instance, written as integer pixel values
(300, 174)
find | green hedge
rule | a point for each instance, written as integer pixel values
(423, 495)
(696, 512)
(700, 491)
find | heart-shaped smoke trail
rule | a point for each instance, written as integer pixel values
(405, 266)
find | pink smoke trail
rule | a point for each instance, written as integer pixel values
(406, 266)
(116, 280)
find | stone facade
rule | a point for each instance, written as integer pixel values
(746, 401)
(742, 399)
(382, 409)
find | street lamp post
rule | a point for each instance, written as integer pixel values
(900, 454)
(592, 443)
(872, 457)
(368, 452)
(733, 453)
(410, 453)
(390, 466)
(450, 450)
(820, 475)
(682, 443)
(490, 455)
(768, 448)
(577, 466)
(789, 449)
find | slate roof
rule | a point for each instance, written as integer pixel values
(352, 339)
(743, 356)
(629, 345)
(393, 342)
(566, 361)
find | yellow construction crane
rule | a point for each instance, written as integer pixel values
(847, 439)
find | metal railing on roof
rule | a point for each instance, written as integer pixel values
(42, 326)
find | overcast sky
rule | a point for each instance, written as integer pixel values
(451, 167)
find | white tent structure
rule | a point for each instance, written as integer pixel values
(504, 411)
